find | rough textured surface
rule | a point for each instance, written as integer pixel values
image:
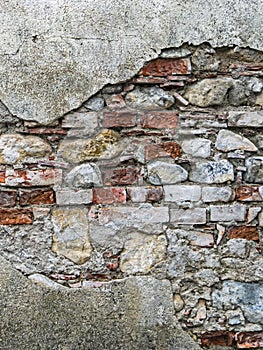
(132, 313)
(44, 47)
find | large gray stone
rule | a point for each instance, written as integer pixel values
(213, 172)
(228, 141)
(247, 296)
(132, 313)
(55, 54)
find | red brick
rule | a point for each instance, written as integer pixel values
(16, 216)
(27, 178)
(217, 338)
(166, 66)
(147, 80)
(155, 151)
(109, 195)
(36, 197)
(8, 198)
(248, 194)
(45, 131)
(120, 176)
(2, 176)
(250, 340)
(250, 233)
(172, 148)
(122, 118)
(159, 119)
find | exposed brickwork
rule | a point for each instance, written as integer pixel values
(161, 176)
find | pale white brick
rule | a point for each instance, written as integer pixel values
(176, 193)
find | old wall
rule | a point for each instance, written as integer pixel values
(143, 195)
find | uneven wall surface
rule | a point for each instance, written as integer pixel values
(131, 179)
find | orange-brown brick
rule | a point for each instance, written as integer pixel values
(36, 197)
(248, 193)
(159, 119)
(220, 338)
(13, 216)
(109, 195)
(246, 232)
(166, 149)
(167, 66)
(250, 340)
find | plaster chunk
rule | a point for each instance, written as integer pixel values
(15, 148)
(208, 92)
(141, 252)
(229, 141)
(70, 237)
(161, 173)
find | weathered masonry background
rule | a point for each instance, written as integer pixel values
(131, 175)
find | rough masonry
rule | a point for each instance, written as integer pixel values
(160, 177)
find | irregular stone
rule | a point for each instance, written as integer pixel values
(178, 302)
(249, 340)
(181, 193)
(197, 147)
(29, 178)
(212, 172)
(245, 118)
(109, 195)
(149, 97)
(259, 99)
(208, 92)
(247, 296)
(80, 124)
(84, 176)
(225, 213)
(71, 234)
(249, 193)
(16, 148)
(95, 103)
(196, 238)
(253, 213)
(188, 216)
(228, 141)
(104, 145)
(161, 173)
(141, 252)
(239, 93)
(205, 59)
(217, 194)
(254, 171)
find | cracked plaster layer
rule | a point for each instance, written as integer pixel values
(55, 54)
(132, 313)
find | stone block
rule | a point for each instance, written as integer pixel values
(73, 197)
(8, 198)
(228, 141)
(254, 171)
(188, 216)
(245, 119)
(145, 194)
(217, 194)
(227, 213)
(245, 232)
(182, 193)
(198, 147)
(28, 178)
(120, 176)
(149, 97)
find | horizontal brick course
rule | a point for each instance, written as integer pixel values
(159, 119)
(119, 118)
(12, 216)
(36, 197)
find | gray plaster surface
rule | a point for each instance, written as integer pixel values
(133, 313)
(55, 54)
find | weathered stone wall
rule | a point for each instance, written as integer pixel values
(131, 174)
(158, 176)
